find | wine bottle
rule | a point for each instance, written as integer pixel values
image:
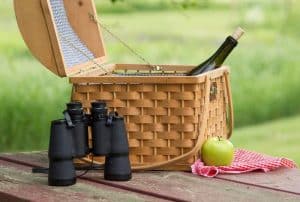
(217, 59)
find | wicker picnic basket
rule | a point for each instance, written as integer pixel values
(168, 117)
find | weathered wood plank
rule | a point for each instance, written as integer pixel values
(9, 198)
(185, 186)
(40, 159)
(17, 183)
(282, 179)
(193, 188)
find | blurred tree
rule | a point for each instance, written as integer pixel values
(183, 3)
(292, 16)
(113, 1)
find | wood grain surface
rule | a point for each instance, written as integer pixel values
(17, 182)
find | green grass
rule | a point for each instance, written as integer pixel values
(264, 67)
(278, 138)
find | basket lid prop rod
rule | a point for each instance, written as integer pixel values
(96, 20)
(84, 54)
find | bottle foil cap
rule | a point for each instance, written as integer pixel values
(238, 33)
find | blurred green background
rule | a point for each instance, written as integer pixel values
(264, 67)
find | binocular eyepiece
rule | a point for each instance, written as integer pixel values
(69, 139)
(98, 110)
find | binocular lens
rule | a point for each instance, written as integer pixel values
(117, 168)
(61, 173)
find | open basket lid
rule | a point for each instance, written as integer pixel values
(61, 34)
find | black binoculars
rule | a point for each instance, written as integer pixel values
(69, 139)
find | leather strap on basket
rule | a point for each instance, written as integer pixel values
(229, 104)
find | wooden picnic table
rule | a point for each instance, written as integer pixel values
(18, 183)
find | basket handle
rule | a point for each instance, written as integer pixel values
(199, 142)
(229, 105)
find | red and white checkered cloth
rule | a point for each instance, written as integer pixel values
(244, 161)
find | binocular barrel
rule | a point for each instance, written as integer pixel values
(61, 152)
(80, 122)
(101, 133)
(109, 139)
(118, 136)
(117, 164)
(61, 145)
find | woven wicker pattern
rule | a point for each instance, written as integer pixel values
(162, 120)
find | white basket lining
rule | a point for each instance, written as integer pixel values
(72, 46)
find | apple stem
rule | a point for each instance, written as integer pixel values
(219, 137)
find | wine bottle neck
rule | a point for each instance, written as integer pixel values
(221, 54)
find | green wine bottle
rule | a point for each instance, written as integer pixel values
(217, 59)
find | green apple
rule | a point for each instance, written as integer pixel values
(217, 151)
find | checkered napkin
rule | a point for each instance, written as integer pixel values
(244, 161)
